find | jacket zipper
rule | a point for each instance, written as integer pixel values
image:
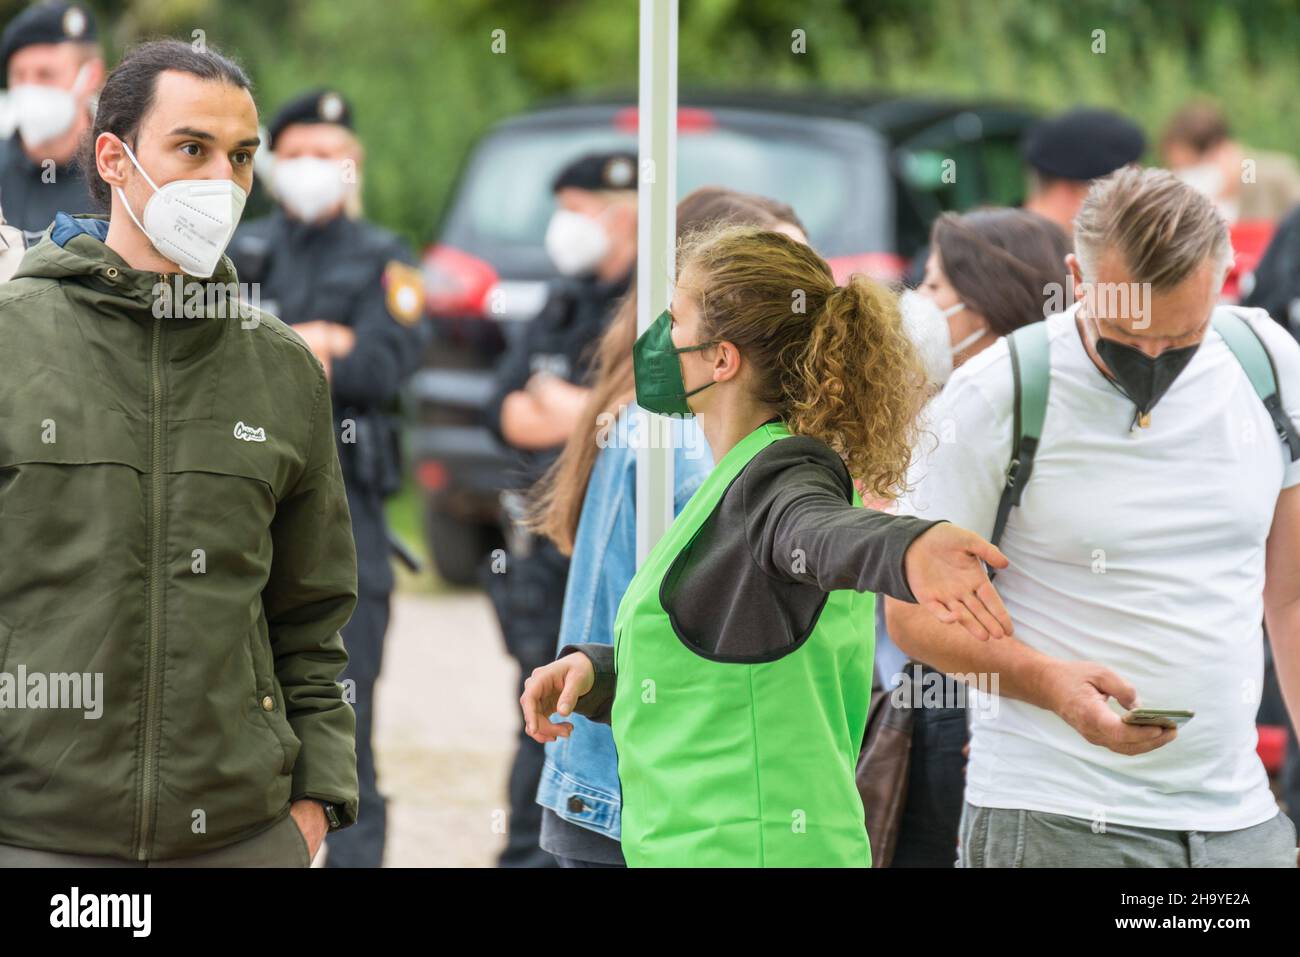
(148, 779)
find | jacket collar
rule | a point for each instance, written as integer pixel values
(98, 283)
(73, 250)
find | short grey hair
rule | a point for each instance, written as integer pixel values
(1161, 227)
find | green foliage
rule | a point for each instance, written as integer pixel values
(426, 83)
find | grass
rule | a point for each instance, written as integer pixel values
(405, 512)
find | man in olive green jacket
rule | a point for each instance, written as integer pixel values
(177, 552)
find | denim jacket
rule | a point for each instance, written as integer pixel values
(580, 777)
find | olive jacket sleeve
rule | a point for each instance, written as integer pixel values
(309, 596)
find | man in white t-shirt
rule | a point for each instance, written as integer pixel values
(1159, 528)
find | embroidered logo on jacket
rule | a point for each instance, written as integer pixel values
(248, 433)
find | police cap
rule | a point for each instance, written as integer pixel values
(1082, 144)
(597, 171)
(52, 22)
(321, 105)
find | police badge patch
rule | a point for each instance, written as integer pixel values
(618, 173)
(330, 107)
(74, 23)
(404, 292)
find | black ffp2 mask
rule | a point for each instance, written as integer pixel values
(1144, 379)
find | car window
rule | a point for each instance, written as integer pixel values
(968, 160)
(960, 176)
(506, 196)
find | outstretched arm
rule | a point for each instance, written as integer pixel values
(802, 527)
(1077, 691)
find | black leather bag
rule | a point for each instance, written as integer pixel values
(883, 766)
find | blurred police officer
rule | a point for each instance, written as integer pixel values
(1275, 285)
(349, 289)
(540, 393)
(50, 61)
(1063, 155)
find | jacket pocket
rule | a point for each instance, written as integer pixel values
(301, 840)
(249, 447)
(71, 512)
(270, 701)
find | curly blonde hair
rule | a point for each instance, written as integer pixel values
(834, 360)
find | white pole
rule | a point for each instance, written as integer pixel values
(656, 249)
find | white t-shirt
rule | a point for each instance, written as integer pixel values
(1140, 550)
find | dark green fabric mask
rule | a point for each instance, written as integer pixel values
(658, 371)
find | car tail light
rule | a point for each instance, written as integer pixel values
(1249, 240)
(887, 267)
(432, 475)
(455, 283)
(690, 119)
(1272, 746)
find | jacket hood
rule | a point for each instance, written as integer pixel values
(72, 249)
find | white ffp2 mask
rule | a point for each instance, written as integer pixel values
(575, 243)
(42, 113)
(927, 326)
(309, 186)
(189, 221)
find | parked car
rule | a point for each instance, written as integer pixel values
(867, 174)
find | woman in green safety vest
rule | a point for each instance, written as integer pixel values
(738, 684)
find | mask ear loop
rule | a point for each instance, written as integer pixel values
(699, 346)
(1109, 376)
(969, 341)
(122, 195)
(76, 80)
(136, 163)
(678, 350)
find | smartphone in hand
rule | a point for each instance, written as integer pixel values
(1159, 717)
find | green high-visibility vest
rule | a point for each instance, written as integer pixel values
(739, 763)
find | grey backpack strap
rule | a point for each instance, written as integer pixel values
(1031, 372)
(1256, 362)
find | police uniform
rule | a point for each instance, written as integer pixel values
(529, 596)
(31, 193)
(351, 272)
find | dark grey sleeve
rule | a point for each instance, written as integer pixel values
(802, 527)
(514, 368)
(596, 703)
(1277, 277)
